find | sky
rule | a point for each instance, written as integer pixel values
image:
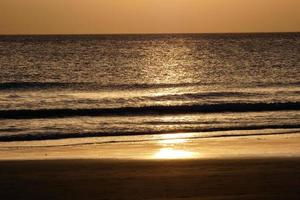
(147, 16)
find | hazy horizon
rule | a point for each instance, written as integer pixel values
(148, 16)
(166, 33)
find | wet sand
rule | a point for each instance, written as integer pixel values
(167, 146)
(160, 179)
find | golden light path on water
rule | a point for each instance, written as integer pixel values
(172, 147)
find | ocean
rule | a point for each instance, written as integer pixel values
(215, 85)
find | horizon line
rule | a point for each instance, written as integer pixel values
(159, 33)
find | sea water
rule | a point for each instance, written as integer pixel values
(69, 86)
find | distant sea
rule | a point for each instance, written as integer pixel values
(69, 86)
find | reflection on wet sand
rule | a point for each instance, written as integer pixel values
(159, 147)
(170, 153)
(172, 147)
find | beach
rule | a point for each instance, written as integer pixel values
(255, 167)
(115, 179)
(189, 179)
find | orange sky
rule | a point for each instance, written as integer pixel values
(147, 16)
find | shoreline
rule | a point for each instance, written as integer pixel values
(156, 147)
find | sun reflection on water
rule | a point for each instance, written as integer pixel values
(173, 139)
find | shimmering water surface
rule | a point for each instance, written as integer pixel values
(55, 87)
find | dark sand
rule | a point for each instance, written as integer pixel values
(157, 179)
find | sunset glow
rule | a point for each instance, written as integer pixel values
(149, 99)
(147, 16)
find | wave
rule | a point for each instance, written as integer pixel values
(55, 136)
(98, 86)
(33, 85)
(85, 85)
(149, 110)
